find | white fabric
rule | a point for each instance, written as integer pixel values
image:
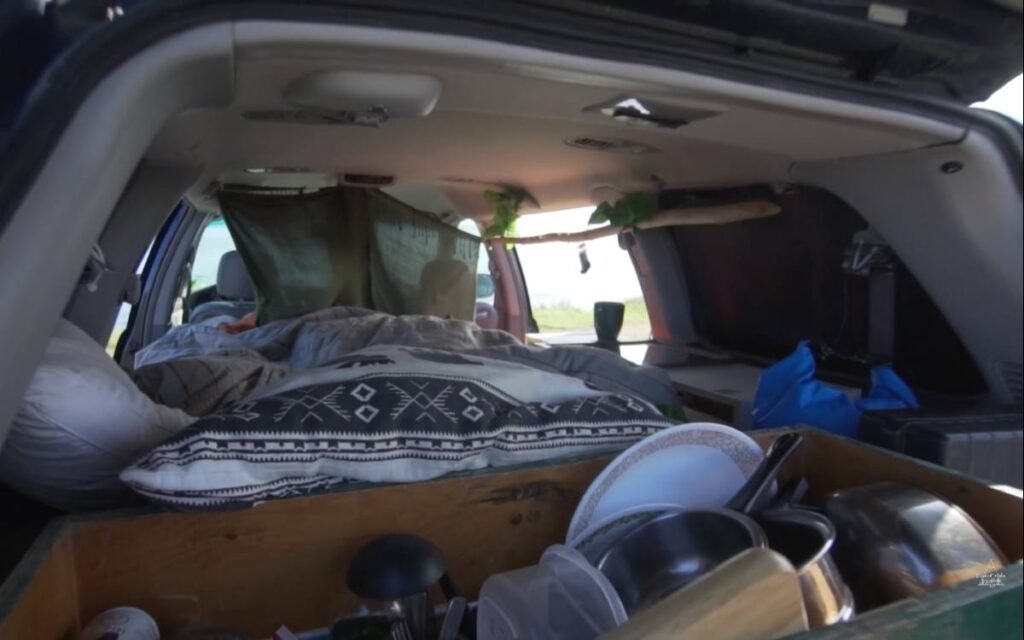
(82, 420)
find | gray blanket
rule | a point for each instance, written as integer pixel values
(199, 369)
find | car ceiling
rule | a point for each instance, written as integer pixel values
(508, 124)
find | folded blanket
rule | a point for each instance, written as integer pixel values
(386, 414)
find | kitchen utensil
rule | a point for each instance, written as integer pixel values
(400, 630)
(363, 627)
(399, 567)
(691, 466)
(895, 541)
(394, 566)
(759, 484)
(790, 493)
(673, 550)
(452, 618)
(805, 538)
(121, 623)
(604, 534)
(562, 596)
(753, 596)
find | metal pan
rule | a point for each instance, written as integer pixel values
(896, 541)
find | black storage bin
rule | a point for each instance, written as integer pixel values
(986, 444)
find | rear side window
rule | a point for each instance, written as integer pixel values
(564, 280)
(201, 284)
(214, 242)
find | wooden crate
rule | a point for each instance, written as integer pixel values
(284, 562)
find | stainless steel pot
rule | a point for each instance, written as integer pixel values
(805, 538)
(671, 551)
(896, 541)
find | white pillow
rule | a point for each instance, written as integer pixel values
(82, 420)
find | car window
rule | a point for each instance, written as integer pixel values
(484, 277)
(214, 242)
(562, 296)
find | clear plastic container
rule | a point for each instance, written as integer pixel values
(561, 597)
(121, 623)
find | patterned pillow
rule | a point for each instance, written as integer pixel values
(397, 415)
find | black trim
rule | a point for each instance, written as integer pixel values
(80, 67)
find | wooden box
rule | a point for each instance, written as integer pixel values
(284, 562)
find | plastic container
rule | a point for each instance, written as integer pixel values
(561, 597)
(121, 623)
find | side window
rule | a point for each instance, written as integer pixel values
(484, 278)
(564, 280)
(214, 242)
(201, 284)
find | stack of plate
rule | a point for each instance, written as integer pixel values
(692, 466)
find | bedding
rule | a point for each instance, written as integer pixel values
(200, 369)
(386, 413)
(80, 423)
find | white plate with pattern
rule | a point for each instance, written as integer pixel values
(690, 466)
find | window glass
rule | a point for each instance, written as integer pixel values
(484, 278)
(214, 242)
(562, 297)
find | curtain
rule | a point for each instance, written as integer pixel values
(353, 247)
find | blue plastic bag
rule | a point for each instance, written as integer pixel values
(789, 394)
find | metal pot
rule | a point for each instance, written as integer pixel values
(896, 541)
(671, 551)
(805, 538)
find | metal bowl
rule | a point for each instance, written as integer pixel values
(671, 551)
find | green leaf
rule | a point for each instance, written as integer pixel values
(601, 214)
(506, 211)
(628, 211)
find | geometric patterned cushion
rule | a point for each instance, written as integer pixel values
(380, 425)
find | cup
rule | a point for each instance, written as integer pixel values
(608, 320)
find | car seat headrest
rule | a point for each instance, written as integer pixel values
(233, 281)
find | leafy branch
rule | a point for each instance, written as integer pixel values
(506, 202)
(627, 212)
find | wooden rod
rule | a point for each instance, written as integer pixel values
(720, 214)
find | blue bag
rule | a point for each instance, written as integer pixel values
(789, 394)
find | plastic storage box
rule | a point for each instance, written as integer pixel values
(987, 444)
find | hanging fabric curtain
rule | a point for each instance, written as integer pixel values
(304, 252)
(353, 247)
(419, 265)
